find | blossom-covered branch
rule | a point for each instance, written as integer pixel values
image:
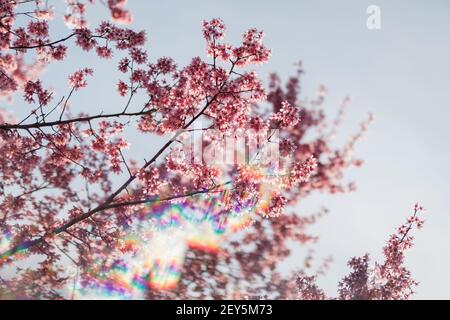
(236, 156)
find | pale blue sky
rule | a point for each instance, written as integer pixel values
(400, 73)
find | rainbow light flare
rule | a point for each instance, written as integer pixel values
(5, 244)
(5, 241)
(153, 252)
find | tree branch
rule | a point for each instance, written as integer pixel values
(37, 125)
(108, 203)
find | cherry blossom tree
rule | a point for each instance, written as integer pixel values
(70, 195)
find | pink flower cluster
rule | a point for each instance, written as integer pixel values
(69, 190)
(387, 281)
(34, 88)
(78, 79)
(287, 116)
(301, 171)
(251, 51)
(124, 39)
(105, 141)
(75, 16)
(76, 12)
(118, 12)
(151, 181)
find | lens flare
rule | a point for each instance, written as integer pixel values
(152, 254)
(5, 241)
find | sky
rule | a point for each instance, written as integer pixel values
(400, 73)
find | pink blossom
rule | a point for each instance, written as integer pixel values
(301, 171)
(150, 180)
(213, 30)
(35, 88)
(138, 56)
(252, 50)
(287, 116)
(85, 39)
(104, 52)
(46, 14)
(70, 191)
(39, 29)
(118, 13)
(59, 52)
(122, 87)
(124, 65)
(78, 79)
